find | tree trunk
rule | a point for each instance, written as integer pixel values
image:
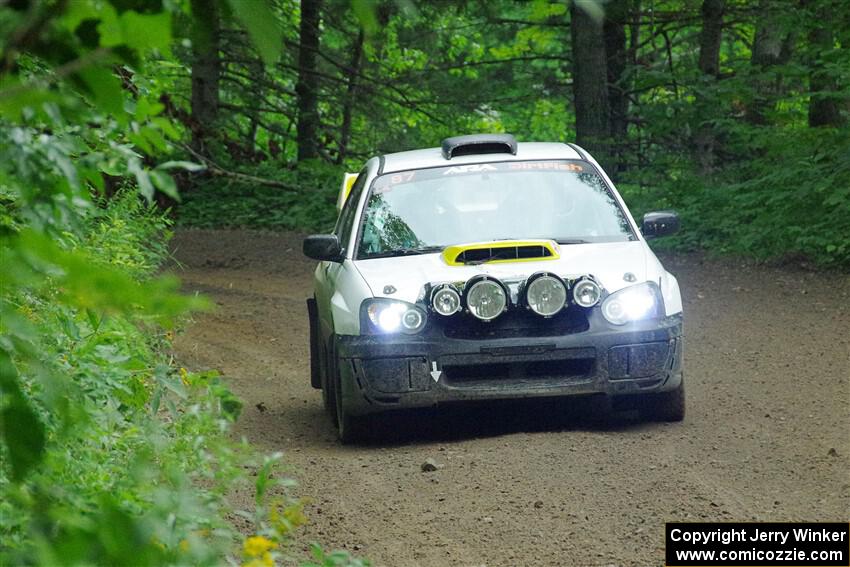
(307, 88)
(350, 96)
(824, 108)
(617, 14)
(590, 85)
(771, 47)
(206, 69)
(710, 37)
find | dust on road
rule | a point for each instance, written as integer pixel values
(767, 436)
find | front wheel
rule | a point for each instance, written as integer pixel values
(666, 406)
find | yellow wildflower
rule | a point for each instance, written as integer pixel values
(265, 561)
(257, 546)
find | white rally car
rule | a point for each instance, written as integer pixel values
(491, 269)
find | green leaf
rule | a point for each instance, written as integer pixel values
(364, 10)
(16, 96)
(167, 127)
(146, 109)
(21, 429)
(187, 165)
(105, 89)
(155, 137)
(262, 25)
(109, 27)
(23, 434)
(146, 188)
(165, 183)
(264, 475)
(147, 31)
(81, 10)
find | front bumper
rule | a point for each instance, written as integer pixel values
(379, 373)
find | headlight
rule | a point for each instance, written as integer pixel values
(636, 302)
(545, 294)
(486, 298)
(387, 316)
(445, 300)
(586, 292)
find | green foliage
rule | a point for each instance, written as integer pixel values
(262, 25)
(339, 558)
(771, 187)
(309, 206)
(109, 454)
(122, 433)
(805, 186)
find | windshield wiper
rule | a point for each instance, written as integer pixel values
(406, 252)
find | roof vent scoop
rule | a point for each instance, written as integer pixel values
(479, 144)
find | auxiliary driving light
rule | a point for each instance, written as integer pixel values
(445, 300)
(486, 299)
(545, 294)
(587, 292)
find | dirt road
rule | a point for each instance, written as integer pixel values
(767, 435)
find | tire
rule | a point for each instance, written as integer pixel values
(666, 406)
(350, 429)
(315, 361)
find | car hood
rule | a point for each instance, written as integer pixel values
(607, 262)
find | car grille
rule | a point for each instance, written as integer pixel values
(553, 365)
(515, 323)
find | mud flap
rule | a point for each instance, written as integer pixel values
(315, 369)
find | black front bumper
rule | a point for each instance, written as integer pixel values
(385, 372)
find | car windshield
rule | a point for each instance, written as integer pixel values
(424, 210)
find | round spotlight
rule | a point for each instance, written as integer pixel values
(486, 299)
(445, 300)
(587, 293)
(412, 320)
(546, 295)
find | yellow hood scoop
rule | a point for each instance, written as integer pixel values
(501, 252)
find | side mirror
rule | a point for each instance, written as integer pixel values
(660, 223)
(323, 247)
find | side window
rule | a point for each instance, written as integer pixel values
(349, 210)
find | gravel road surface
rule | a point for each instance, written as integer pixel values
(767, 436)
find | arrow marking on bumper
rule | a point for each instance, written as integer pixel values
(435, 374)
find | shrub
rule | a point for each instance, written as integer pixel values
(795, 204)
(310, 205)
(126, 433)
